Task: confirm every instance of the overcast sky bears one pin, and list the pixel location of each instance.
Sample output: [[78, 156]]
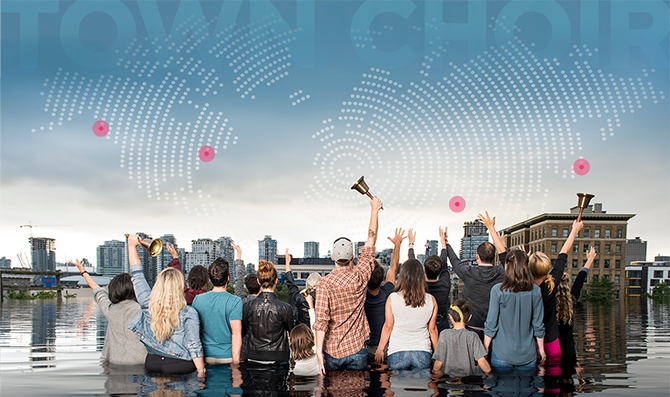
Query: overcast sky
[[500, 129]]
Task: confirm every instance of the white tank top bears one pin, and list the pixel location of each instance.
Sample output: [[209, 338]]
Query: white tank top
[[410, 325]]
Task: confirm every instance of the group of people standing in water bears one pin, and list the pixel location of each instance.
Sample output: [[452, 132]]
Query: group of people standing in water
[[513, 315]]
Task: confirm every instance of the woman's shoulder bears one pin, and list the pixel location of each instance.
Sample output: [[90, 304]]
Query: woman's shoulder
[[189, 311]]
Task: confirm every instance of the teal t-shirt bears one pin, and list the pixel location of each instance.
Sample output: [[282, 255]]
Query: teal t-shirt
[[216, 311]]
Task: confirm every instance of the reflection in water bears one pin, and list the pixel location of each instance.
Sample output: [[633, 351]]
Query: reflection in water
[[43, 340], [54, 345]]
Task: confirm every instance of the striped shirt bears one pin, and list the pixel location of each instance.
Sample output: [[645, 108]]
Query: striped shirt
[[340, 306]]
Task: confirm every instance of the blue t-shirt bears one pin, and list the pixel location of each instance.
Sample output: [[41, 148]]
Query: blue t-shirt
[[216, 311], [375, 310]]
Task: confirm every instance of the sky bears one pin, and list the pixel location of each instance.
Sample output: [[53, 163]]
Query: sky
[[485, 103]]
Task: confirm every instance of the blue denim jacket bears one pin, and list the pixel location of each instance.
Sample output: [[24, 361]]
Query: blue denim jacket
[[184, 343]]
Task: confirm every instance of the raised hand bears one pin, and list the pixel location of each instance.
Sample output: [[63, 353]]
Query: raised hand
[[288, 260], [171, 250], [398, 238], [577, 226], [238, 250], [443, 237], [77, 264], [489, 222], [376, 204], [502, 239], [411, 235], [133, 240]]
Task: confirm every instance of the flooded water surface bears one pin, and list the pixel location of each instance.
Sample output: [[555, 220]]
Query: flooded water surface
[[52, 348]]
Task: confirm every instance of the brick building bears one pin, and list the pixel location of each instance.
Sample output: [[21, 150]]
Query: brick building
[[606, 232]]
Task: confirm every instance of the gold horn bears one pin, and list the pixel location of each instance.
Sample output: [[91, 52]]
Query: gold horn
[[154, 247], [362, 187], [583, 201]]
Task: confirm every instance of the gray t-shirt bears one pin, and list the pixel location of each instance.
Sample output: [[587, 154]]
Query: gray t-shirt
[[459, 349]]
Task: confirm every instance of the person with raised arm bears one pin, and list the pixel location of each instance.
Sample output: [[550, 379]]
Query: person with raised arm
[[249, 281], [117, 303], [377, 294], [168, 327], [478, 280], [544, 276], [566, 299], [341, 326], [297, 300], [220, 317], [437, 276], [198, 278]]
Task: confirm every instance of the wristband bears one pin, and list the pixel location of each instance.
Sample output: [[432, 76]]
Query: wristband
[[84, 272], [202, 371]]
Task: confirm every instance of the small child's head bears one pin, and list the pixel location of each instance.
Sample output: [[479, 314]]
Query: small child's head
[[301, 342], [460, 311]]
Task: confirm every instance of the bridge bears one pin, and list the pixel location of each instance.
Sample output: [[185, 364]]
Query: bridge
[[31, 288]]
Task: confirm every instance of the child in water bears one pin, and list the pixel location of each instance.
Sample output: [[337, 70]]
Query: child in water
[[458, 348], [302, 344]]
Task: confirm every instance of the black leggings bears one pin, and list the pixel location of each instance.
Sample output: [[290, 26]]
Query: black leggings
[[167, 365]]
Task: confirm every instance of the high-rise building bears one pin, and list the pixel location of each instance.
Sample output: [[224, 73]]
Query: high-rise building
[[636, 250], [431, 247], [251, 268], [165, 257], [110, 258], [267, 249], [5, 263], [605, 232], [227, 252], [203, 252], [311, 249], [43, 254], [474, 233]]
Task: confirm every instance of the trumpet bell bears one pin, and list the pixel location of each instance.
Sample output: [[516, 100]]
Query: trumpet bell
[[584, 199], [361, 187]]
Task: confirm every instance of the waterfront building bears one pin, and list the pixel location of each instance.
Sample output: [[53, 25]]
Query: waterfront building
[[643, 276], [251, 268], [636, 250], [109, 258], [5, 263], [431, 247], [474, 233], [43, 253], [606, 232], [267, 249], [303, 267], [311, 249], [203, 252]]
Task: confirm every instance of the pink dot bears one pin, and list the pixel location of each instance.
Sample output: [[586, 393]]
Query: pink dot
[[457, 204], [581, 167], [100, 128], [206, 153]]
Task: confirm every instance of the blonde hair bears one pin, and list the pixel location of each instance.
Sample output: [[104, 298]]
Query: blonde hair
[[540, 266], [166, 302], [564, 301], [301, 342]]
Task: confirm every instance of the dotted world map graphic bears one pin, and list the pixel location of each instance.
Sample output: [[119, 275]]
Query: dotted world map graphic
[[485, 131]]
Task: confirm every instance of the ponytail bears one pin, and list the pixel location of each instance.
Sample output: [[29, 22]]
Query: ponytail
[[564, 301]]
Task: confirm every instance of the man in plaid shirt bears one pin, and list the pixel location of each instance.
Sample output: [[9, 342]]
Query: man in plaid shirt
[[341, 325]]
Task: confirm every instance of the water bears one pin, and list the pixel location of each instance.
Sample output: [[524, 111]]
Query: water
[[53, 348]]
